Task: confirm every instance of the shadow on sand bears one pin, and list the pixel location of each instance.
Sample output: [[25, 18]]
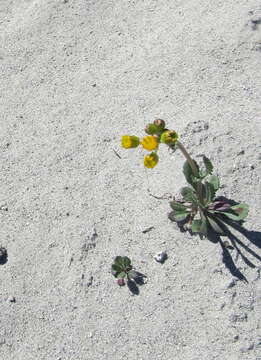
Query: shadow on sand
[[254, 237]]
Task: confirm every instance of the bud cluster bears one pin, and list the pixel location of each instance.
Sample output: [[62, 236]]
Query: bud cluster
[[157, 133]]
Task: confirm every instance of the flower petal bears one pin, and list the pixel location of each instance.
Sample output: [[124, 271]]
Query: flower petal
[[129, 141], [151, 160], [150, 142]]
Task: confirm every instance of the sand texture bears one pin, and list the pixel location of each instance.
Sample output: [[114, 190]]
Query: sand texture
[[75, 75]]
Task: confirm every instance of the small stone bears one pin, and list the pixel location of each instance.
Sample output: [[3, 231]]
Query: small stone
[[236, 338], [161, 257], [4, 207], [11, 299]]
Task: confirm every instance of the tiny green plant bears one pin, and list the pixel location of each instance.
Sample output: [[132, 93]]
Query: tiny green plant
[[199, 210], [123, 270]]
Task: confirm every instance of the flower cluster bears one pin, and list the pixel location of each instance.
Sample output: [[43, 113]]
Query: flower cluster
[[156, 134]]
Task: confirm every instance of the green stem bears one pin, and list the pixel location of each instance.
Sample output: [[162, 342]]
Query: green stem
[[194, 170], [188, 157]]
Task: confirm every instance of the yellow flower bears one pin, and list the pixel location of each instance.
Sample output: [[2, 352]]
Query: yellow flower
[[151, 160], [150, 142], [169, 137], [129, 141]]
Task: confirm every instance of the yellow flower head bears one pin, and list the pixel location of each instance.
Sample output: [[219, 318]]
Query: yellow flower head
[[169, 137], [150, 142], [129, 141], [151, 160]]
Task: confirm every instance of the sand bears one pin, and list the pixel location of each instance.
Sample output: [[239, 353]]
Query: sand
[[75, 76]]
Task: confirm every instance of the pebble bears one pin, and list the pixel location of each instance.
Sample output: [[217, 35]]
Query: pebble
[[161, 257], [236, 338], [11, 299], [4, 207]]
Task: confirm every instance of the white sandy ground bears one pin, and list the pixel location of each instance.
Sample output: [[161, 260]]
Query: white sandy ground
[[75, 76]]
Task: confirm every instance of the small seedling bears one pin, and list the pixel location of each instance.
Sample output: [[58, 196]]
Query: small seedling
[[199, 210], [123, 270]]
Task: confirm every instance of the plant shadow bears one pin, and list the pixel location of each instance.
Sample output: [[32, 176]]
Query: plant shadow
[[254, 237], [3, 256], [133, 284]]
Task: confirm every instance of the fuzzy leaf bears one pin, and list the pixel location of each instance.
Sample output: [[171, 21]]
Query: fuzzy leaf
[[240, 212], [196, 225], [208, 165], [118, 261], [214, 180], [178, 216], [187, 171], [209, 192], [132, 274], [189, 194], [121, 275], [126, 262], [116, 268], [215, 226], [178, 206], [219, 206], [204, 226]]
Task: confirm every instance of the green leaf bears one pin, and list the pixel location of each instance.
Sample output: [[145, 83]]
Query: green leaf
[[121, 275], [126, 262], [204, 226], [116, 268], [214, 180], [178, 206], [240, 212], [209, 192], [208, 165], [196, 226], [241, 209], [187, 171], [178, 216], [189, 194], [132, 274], [118, 261], [215, 226]]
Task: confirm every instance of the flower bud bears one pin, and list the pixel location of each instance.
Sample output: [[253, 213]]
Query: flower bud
[[128, 142], [151, 160], [151, 129], [169, 137], [160, 124], [150, 142]]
